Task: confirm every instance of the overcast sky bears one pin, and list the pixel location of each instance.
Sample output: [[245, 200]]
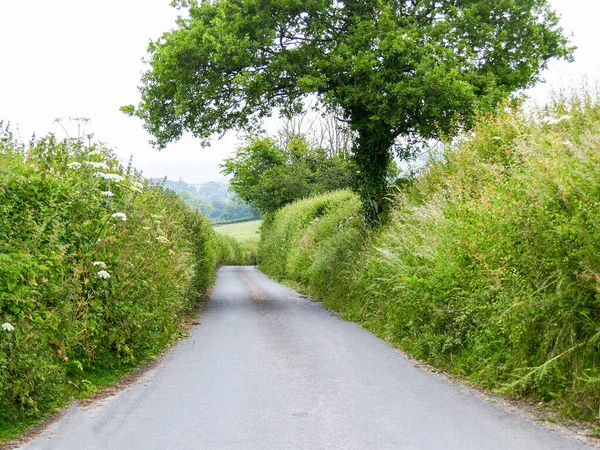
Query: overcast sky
[[74, 58]]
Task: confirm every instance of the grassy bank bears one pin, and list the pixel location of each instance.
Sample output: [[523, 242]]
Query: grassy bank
[[97, 270], [489, 266]]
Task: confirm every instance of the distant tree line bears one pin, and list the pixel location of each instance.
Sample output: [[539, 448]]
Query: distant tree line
[[213, 199]]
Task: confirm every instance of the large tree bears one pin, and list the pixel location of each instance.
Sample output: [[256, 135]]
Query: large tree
[[408, 68]]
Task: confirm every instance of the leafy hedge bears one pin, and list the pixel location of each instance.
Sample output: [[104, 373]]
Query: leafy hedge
[[235, 252], [490, 265], [97, 269], [310, 242]]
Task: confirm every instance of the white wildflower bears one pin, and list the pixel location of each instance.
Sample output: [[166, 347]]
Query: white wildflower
[[497, 138], [171, 252], [568, 144], [96, 153], [103, 274], [549, 120], [137, 184], [564, 118], [552, 121], [7, 327], [74, 165], [107, 193], [147, 228], [120, 215], [109, 176], [100, 264], [134, 189], [97, 165], [162, 239], [115, 177]]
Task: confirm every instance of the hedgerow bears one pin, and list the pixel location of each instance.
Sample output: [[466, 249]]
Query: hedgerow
[[490, 264], [310, 242], [97, 270], [235, 252]]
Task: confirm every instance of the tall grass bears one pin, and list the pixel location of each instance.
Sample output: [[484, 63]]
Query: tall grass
[[490, 265], [97, 269]]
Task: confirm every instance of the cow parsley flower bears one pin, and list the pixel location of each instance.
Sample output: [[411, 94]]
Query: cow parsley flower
[[549, 120], [552, 121], [564, 118], [97, 165], [7, 327], [137, 184], [115, 177], [162, 239], [109, 176], [103, 274], [100, 264], [74, 165], [120, 215], [107, 194]]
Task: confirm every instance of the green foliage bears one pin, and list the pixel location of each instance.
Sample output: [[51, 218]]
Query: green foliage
[[235, 252], [488, 266], [309, 241], [268, 176], [416, 69], [237, 243], [97, 268]]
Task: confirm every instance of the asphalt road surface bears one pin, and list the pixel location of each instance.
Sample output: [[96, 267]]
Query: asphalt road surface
[[269, 369]]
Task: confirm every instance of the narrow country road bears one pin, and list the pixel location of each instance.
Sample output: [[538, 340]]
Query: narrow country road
[[268, 369]]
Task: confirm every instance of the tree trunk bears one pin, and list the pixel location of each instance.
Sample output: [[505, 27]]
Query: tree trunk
[[372, 153]]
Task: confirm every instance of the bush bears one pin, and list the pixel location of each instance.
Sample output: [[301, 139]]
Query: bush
[[97, 269], [489, 266], [311, 242], [235, 252]]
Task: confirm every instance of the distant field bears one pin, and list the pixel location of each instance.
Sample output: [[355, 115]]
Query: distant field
[[242, 231]]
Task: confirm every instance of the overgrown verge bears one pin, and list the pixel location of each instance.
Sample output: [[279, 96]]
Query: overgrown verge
[[235, 252], [97, 269], [490, 265]]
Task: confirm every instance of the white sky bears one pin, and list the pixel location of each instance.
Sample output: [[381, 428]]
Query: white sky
[[74, 58]]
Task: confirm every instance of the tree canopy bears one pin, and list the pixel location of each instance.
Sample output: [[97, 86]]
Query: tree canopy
[[410, 68]]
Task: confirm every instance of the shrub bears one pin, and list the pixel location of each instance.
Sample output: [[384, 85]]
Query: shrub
[[96, 270], [235, 252], [311, 242]]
